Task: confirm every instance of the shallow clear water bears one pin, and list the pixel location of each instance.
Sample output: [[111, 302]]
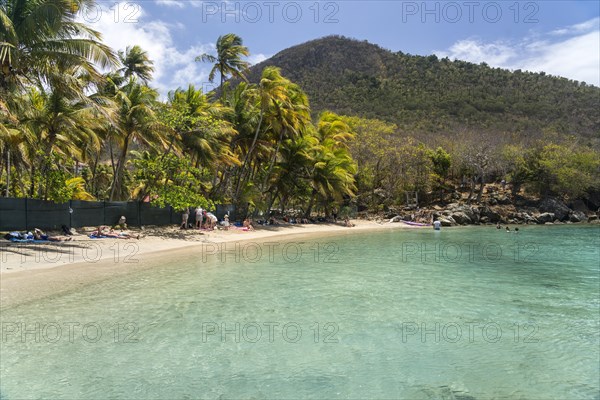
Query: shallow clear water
[[466, 313]]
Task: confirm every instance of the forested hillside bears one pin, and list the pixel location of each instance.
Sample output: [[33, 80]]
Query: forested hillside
[[427, 94]]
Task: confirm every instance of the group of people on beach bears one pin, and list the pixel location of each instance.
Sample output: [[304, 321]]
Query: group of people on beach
[[203, 219]]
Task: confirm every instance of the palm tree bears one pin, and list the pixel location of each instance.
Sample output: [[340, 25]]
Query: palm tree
[[272, 95], [63, 124], [136, 62], [135, 121], [332, 174], [39, 36], [228, 61], [201, 130]]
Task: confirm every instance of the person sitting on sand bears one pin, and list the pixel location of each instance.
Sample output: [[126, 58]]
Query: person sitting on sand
[[225, 223], [248, 224], [38, 234], [122, 222], [347, 223]]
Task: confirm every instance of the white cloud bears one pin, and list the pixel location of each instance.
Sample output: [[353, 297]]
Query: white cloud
[[171, 3], [254, 59], [592, 24], [572, 52], [173, 67], [475, 51]]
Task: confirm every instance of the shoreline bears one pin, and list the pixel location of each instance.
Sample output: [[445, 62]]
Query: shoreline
[[31, 272]]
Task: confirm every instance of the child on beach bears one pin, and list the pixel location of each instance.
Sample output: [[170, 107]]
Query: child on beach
[[248, 224]]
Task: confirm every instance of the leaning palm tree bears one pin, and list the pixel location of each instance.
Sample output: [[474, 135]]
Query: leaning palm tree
[[228, 61], [135, 121], [136, 62], [272, 93], [36, 36]]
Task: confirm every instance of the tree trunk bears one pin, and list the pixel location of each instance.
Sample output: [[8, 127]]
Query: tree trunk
[[247, 158], [116, 186], [480, 193], [32, 187], [272, 161], [310, 204]]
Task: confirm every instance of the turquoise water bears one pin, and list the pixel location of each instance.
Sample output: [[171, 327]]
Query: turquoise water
[[466, 313]]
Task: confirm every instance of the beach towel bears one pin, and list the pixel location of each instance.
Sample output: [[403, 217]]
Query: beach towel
[[15, 240], [97, 237]]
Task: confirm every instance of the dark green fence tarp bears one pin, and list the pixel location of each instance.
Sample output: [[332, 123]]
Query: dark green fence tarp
[[87, 213], [13, 215], [46, 214], [26, 214]]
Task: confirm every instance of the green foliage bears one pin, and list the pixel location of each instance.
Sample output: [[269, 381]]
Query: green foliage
[[168, 180], [441, 162], [427, 94]]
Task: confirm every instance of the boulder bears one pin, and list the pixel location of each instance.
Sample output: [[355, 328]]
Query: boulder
[[555, 206], [579, 205], [545, 218], [491, 215], [592, 218], [577, 216], [448, 221], [504, 200], [461, 218], [452, 206]]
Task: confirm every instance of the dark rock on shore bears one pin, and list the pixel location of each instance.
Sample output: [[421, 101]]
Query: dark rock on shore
[[556, 207]]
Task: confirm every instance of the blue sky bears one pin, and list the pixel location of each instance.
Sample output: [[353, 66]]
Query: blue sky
[[558, 37]]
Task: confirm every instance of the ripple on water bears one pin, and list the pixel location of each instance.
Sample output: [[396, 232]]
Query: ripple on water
[[369, 296]]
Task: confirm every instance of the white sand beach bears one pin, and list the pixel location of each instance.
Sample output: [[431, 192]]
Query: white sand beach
[[29, 272]]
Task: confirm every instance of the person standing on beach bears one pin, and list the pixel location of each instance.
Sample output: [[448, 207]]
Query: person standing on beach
[[198, 217], [184, 218]]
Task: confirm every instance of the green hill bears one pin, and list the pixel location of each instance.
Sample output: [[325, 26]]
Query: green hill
[[431, 95]]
